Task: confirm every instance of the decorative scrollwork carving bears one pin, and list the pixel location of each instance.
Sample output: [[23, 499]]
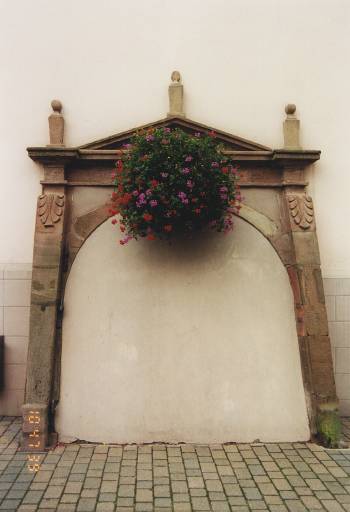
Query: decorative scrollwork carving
[[50, 208], [302, 210]]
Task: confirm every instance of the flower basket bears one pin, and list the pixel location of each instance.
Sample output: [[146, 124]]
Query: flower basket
[[169, 182]]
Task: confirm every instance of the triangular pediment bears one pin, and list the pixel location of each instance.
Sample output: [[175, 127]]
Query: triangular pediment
[[230, 142]]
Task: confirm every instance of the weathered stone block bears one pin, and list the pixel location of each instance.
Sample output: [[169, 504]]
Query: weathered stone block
[[293, 273], [316, 320], [311, 285], [35, 426], [322, 367], [41, 353], [306, 248], [45, 284]]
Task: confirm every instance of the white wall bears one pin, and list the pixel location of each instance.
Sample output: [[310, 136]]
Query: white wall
[[109, 61], [194, 341]]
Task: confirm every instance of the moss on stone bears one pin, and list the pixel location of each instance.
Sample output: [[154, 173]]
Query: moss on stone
[[329, 428]]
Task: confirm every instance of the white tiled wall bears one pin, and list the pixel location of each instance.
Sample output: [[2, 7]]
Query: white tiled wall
[[15, 282], [337, 293]]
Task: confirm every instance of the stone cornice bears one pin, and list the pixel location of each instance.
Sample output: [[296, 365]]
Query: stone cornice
[[55, 155]]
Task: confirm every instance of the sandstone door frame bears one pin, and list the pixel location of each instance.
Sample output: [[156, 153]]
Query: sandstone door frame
[[59, 236]]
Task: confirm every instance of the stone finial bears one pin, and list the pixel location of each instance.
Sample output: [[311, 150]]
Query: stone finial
[[176, 93], [56, 124], [291, 128]]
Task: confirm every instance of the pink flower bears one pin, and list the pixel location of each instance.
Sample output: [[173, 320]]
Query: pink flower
[[164, 174], [190, 184], [167, 130], [153, 202], [197, 134], [189, 158], [125, 240], [214, 164], [186, 170], [149, 138]]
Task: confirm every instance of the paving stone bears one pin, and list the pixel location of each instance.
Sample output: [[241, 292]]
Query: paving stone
[[220, 506], [86, 505], [311, 502], [295, 506], [162, 502], [107, 496], [332, 506], [182, 507], [233, 490], [214, 485], [200, 504], [126, 491], [252, 494], [144, 495], [69, 498], [267, 489], [181, 497], [89, 493], [198, 492], [179, 486], [35, 497], [110, 486], [10, 504], [49, 503]]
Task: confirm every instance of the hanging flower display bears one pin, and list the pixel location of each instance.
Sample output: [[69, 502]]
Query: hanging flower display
[[169, 182]]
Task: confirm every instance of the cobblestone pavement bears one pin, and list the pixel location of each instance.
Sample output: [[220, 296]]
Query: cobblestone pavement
[[238, 477]]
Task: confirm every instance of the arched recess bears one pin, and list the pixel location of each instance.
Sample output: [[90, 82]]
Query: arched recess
[[190, 342]]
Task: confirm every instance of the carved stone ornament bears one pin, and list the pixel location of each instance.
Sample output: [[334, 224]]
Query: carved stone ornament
[[50, 208], [302, 210]]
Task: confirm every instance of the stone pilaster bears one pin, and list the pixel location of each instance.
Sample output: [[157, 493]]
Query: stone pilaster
[[45, 296], [311, 316]]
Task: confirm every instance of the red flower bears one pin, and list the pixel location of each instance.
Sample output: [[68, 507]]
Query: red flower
[[168, 228], [150, 236], [125, 198], [197, 211], [119, 166], [114, 196], [154, 183], [147, 217], [114, 221], [122, 228], [224, 170]]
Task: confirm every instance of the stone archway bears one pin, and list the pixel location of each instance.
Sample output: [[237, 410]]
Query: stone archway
[[76, 187]]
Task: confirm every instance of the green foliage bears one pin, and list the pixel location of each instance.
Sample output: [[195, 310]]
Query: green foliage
[[170, 182], [329, 428]]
